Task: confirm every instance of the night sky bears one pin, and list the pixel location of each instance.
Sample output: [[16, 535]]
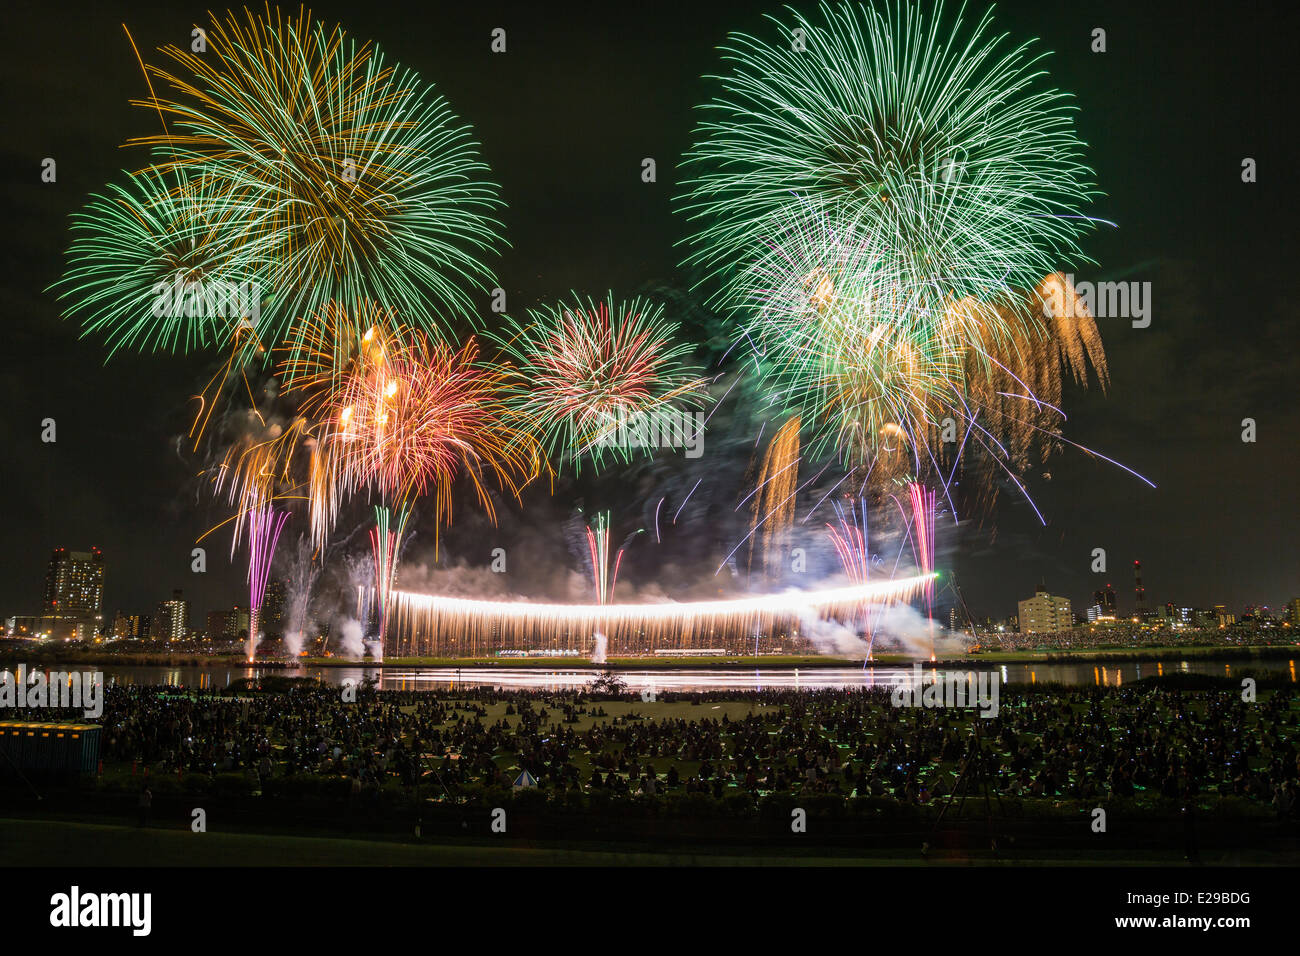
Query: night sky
[[565, 118]]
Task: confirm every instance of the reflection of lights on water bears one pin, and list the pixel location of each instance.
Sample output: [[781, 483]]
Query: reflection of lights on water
[[662, 681], [669, 680]]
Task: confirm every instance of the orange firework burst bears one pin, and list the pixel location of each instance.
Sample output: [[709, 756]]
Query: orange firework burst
[[412, 416]]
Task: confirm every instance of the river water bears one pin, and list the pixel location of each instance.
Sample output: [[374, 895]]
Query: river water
[[691, 678]]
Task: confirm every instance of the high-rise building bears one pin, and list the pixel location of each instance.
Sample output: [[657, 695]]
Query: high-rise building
[[1140, 609], [1104, 600], [216, 626], [129, 626], [73, 602], [172, 621], [270, 620], [229, 625], [1293, 612], [1045, 613]]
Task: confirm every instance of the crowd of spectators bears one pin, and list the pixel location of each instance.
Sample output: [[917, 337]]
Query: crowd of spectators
[[1083, 744]]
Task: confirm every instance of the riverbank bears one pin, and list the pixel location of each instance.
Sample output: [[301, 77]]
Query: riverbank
[[63, 655]]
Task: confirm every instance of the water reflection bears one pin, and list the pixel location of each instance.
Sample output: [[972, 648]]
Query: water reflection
[[681, 679]]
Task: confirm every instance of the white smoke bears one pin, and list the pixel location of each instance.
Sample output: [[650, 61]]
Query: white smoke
[[352, 643], [897, 627], [303, 572], [602, 645]]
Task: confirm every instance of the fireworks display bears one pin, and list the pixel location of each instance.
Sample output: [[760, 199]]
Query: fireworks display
[[773, 500], [356, 180], [851, 541], [419, 414], [293, 168], [878, 205], [923, 546], [264, 527], [585, 374], [604, 575], [931, 143], [385, 545], [429, 624], [880, 199], [406, 418], [156, 264]]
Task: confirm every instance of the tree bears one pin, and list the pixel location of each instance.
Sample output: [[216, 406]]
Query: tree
[[607, 682]]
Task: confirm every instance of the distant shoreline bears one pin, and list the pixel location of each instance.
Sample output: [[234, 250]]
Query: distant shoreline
[[989, 659]]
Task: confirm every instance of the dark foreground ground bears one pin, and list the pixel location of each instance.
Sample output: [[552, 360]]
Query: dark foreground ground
[[37, 842]]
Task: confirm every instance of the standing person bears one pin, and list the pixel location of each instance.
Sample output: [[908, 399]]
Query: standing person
[[144, 804]]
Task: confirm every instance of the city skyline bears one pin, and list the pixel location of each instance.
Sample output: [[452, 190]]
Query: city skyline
[[1105, 598]]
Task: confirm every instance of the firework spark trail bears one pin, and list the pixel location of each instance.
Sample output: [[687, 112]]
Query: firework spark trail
[[923, 545], [851, 543], [714, 409], [778, 507], [778, 479], [686, 499], [604, 577], [432, 625], [301, 579], [264, 526], [386, 547], [209, 398]]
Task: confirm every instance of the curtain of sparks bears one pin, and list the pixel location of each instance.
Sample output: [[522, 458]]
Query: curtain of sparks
[[430, 625]]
